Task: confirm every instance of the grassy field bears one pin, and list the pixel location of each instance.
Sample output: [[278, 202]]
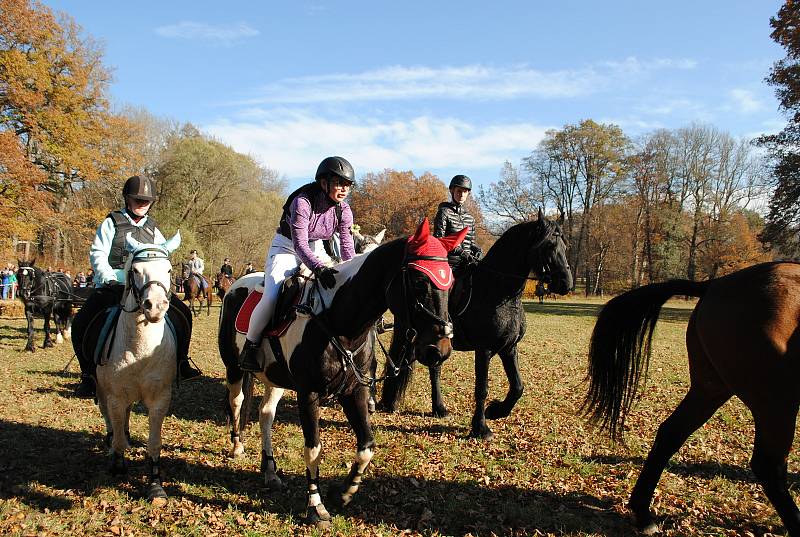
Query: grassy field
[[545, 473]]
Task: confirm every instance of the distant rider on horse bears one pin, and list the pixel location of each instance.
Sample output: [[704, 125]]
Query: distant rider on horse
[[311, 215], [107, 256], [226, 268], [451, 218], [196, 266]]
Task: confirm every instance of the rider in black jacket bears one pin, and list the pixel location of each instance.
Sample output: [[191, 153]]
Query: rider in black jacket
[[451, 218]]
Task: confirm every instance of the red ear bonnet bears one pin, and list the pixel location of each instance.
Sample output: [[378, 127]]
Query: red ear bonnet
[[421, 243]]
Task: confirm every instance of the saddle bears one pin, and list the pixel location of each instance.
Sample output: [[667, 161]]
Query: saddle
[[102, 329], [290, 295]]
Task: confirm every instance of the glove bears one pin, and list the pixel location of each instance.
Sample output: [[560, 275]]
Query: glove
[[326, 276], [466, 256], [477, 253]]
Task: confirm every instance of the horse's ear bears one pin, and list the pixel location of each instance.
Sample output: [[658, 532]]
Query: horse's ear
[[379, 237], [422, 233], [172, 244], [540, 215], [451, 241], [131, 244], [560, 218]]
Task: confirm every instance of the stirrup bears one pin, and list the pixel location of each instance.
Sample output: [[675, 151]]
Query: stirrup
[[249, 358]]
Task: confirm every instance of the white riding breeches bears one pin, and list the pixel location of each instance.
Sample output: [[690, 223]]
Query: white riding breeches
[[281, 262]]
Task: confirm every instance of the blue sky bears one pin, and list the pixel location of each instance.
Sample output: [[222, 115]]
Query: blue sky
[[446, 87]]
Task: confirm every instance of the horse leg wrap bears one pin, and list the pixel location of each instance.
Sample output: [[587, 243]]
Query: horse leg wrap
[[155, 490], [363, 457]]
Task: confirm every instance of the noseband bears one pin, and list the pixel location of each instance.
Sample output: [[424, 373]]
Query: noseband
[[144, 255]]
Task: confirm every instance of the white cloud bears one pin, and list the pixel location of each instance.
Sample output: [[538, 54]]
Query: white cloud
[[294, 142], [476, 82], [207, 32], [744, 101]]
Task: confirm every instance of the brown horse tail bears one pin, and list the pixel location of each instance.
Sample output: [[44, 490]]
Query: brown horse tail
[[619, 351]]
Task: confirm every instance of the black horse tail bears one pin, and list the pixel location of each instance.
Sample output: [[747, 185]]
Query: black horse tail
[[226, 341], [619, 351]]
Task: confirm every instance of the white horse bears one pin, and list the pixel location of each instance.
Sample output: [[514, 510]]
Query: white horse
[[142, 361]]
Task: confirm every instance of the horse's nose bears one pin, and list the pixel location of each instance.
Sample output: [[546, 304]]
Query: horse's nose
[[148, 304]]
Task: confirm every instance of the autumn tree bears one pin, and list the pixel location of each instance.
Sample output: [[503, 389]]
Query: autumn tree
[[53, 88], [783, 220], [396, 200]]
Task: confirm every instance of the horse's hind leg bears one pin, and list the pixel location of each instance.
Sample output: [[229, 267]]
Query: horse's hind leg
[[479, 427], [235, 399], [707, 393], [266, 416], [501, 409], [774, 435], [59, 323]]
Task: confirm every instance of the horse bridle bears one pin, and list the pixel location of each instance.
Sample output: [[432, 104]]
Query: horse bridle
[[30, 288], [150, 254], [411, 332]]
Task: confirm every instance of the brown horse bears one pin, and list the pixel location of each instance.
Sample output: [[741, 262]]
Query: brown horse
[[223, 282], [742, 340], [192, 292]]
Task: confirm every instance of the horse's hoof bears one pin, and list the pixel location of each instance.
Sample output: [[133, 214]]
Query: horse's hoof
[[273, 484], [481, 433], [644, 521], [30, 348], [59, 339], [156, 495], [383, 408], [119, 466], [318, 516], [440, 412], [237, 452], [48, 344], [495, 410]]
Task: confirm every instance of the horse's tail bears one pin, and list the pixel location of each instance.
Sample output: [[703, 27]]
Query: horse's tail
[[619, 351], [248, 384]]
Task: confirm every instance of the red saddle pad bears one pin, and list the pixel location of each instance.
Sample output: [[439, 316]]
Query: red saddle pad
[[243, 317]]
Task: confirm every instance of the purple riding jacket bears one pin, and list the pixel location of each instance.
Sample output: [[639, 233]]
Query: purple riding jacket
[[315, 219]]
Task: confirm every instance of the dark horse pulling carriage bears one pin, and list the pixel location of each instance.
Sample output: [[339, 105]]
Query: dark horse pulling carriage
[[486, 306], [46, 294], [742, 340]]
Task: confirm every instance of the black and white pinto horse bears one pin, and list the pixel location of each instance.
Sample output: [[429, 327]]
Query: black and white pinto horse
[[489, 318], [141, 363], [45, 294], [328, 350]]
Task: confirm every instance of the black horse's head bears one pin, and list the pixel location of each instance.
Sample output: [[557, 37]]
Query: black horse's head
[[418, 297], [547, 256], [29, 278]]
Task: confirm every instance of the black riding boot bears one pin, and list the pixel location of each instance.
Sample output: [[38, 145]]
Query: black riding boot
[[250, 358], [86, 388]]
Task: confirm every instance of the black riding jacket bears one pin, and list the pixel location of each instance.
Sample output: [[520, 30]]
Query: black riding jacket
[[452, 218], [227, 270]]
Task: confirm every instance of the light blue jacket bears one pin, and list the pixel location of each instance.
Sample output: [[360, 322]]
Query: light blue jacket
[[101, 249]]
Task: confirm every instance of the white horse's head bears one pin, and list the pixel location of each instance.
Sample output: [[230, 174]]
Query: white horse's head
[[147, 281]]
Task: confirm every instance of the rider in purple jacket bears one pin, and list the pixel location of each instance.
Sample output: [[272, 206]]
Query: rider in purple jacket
[[311, 215]]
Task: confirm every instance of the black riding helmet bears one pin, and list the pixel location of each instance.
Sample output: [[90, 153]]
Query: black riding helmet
[[139, 188], [461, 180], [337, 166]]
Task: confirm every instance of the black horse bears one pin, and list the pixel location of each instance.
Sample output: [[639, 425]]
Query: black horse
[[488, 316], [45, 294], [327, 351]]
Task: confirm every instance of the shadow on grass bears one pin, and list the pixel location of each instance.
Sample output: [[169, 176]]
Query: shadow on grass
[[705, 469], [592, 310], [73, 464]]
